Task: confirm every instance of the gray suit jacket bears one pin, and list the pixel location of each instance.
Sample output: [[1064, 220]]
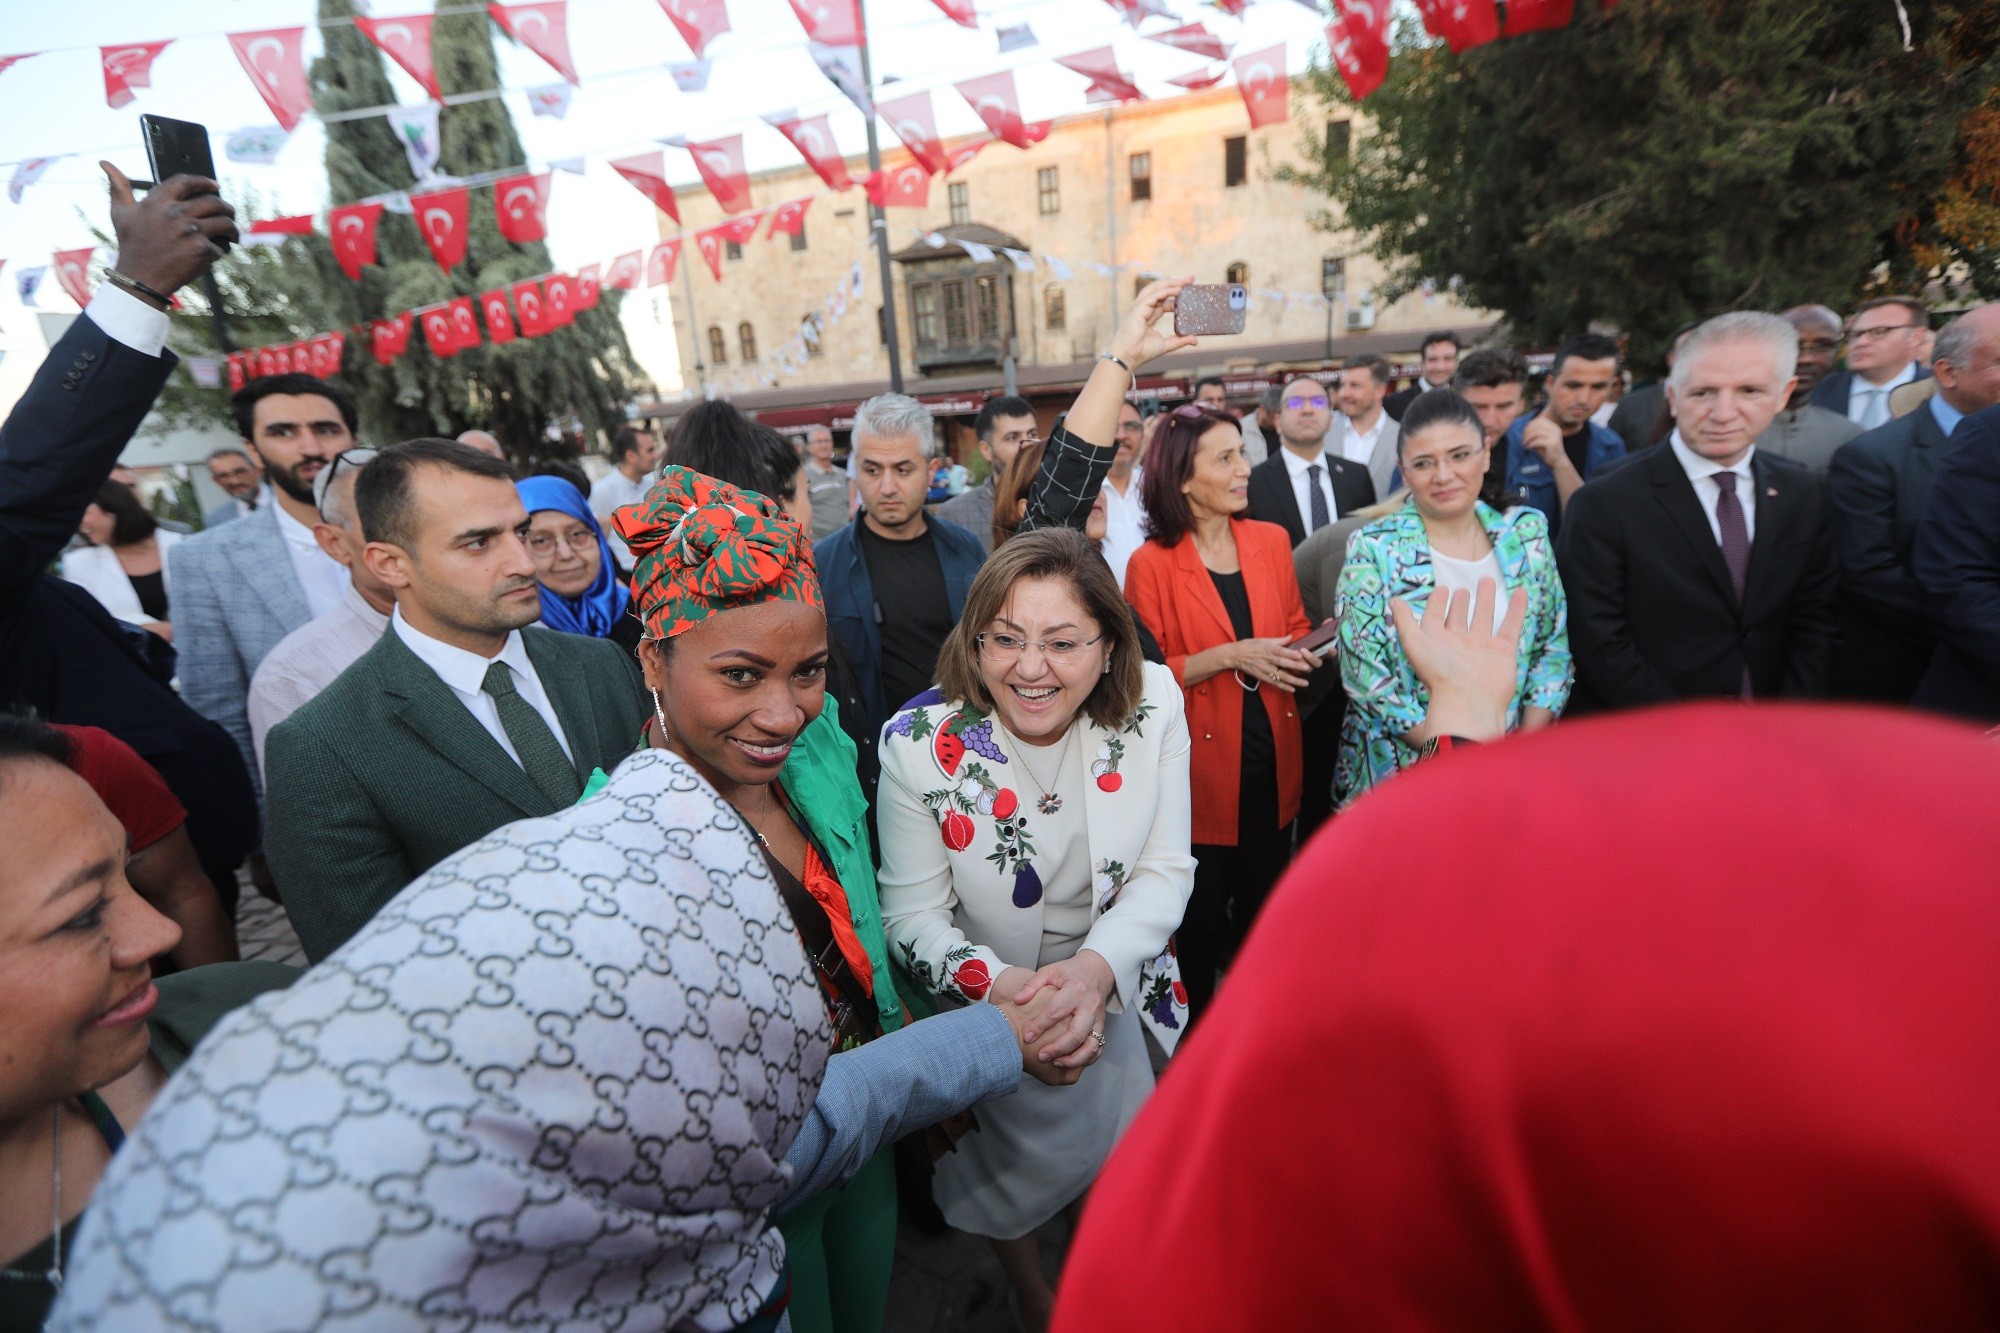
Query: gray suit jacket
[[1381, 463], [1807, 435], [223, 513], [973, 511], [234, 596]]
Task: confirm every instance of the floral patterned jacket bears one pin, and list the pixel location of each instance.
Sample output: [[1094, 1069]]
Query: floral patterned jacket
[[961, 897], [1391, 558]]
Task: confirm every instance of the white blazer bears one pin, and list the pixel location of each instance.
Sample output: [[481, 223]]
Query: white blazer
[[96, 570], [949, 912]]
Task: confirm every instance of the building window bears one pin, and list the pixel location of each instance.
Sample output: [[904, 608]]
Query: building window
[[1333, 277], [1048, 189], [957, 329], [961, 203], [746, 339], [718, 346], [1142, 176], [799, 236], [1339, 137], [731, 250], [986, 307], [1238, 272], [1235, 161], [924, 313], [1055, 310]]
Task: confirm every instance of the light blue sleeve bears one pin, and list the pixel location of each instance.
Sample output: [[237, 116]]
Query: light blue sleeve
[[903, 1080]]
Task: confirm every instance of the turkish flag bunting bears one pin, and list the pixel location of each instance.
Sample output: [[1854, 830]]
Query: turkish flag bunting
[[720, 162], [238, 376], [960, 12], [8, 62], [790, 218], [587, 287], [1358, 41], [521, 207], [275, 62], [542, 28], [528, 301], [1536, 15], [647, 173], [915, 123], [815, 144], [499, 319], [708, 241], [73, 272], [441, 218], [962, 155], [1200, 79], [389, 338], [741, 230], [558, 300], [833, 22], [1193, 37], [999, 105], [660, 265], [325, 353], [907, 186], [128, 67], [700, 21], [407, 41], [625, 271], [438, 331], [352, 231], [1260, 77], [1461, 24], [281, 359], [298, 224], [1101, 68]]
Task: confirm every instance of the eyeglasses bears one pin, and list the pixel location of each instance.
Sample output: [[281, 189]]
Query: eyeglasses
[[580, 540], [1875, 334], [1130, 427], [1300, 404], [353, 459], [1004, 648]]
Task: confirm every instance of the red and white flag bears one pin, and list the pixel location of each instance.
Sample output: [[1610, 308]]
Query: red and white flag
[[647, 173], [239, 372], [720, 162], [998, 103], [1358, 41], [352, 231], [625, 271], [833, 22], [1201, 79], [499, 319], [543, 28], [528, 301], [700, 21], [441, 218], [907, 186], [407, 41], [1461, 24], [915, 122], [660, 265], [1233, 8], [960, 12], [1260, 77], [521, 207], [964, 153], [1101, 68], [587, 287], [298, 224], [1536, 16], [128, 67], [708, 242], [324, 353], [558, 300], [389, 338], [275, 61], [790, 218], [438, 331], [464, 323], [1193, 37], [8, 62], [815, 144], [73, 272]]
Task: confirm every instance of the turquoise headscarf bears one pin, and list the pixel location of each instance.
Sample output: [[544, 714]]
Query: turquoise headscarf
[[597, 611]]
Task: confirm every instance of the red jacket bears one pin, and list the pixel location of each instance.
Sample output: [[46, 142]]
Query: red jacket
[[1172, 592]]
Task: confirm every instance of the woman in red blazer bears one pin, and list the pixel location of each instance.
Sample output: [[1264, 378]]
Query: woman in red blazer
[[1219, 594]]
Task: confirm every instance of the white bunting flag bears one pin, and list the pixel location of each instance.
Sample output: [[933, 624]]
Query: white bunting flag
[[1022, 260], [416, 128], [690, 76], [28, 281], [26, 173], [550, 99], [1057, 267], [257, 145], [1015, 37], [842, 67], [573, 165], [977, 253]]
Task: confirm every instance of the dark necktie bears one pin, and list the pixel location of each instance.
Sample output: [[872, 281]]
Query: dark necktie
[[1320, 518], [1735, 543], [542, 756]]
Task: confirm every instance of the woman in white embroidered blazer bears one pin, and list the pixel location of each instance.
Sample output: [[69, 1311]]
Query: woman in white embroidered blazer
[[1035, 842]]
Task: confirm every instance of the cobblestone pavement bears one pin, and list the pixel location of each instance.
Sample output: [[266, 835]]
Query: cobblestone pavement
[[262, 929]]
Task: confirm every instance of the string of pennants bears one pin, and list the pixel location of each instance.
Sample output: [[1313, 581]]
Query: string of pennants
[[1358, 38]]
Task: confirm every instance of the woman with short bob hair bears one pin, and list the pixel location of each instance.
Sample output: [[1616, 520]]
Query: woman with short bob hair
[[1034, 828]]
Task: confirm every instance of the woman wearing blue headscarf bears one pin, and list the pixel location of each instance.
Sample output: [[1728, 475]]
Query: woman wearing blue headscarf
[[581, 592]]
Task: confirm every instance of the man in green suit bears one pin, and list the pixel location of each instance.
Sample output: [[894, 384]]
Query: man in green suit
[[463, 717]]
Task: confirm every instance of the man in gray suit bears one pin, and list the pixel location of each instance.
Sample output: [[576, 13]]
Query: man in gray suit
[[1004, 425], [239, 588], [1364, 433], [241, 480], [1805, 433]]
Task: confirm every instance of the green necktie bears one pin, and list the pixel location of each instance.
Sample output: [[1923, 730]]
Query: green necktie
[[541, 754]]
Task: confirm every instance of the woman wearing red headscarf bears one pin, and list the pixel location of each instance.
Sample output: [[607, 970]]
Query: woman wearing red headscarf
[[1728, 1061]]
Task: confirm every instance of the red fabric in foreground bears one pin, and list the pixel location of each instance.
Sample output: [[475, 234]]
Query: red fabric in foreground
[[1683, 1019], [126, 783]]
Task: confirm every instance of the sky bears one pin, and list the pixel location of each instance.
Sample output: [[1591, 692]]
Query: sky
[[54, 104]]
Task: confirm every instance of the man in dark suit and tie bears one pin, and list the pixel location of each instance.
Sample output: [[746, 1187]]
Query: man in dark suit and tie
[[463, 716], [1884, 339], [1957, 559], [1300, 486], [1705, 568], [1878, 486]]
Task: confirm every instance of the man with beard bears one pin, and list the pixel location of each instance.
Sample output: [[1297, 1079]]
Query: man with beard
[[1803, 431], [463, 716], [239, 588]]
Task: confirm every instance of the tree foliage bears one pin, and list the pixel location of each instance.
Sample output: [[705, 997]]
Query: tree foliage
[[1664, 160], [576, 378]]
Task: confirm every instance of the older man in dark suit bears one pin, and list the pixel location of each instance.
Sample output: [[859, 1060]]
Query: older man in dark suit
[[1957, 561], [1705, 568]]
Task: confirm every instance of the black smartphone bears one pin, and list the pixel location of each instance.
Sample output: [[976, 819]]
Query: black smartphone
[[176, 148]]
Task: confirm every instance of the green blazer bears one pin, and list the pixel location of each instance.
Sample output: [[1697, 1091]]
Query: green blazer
[[385, 774]]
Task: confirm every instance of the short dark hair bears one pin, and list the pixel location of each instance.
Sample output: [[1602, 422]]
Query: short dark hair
[[625, 439], [244, 402], [1004, 405], [1437, 407], [1489, 368], [1169, 464], [1441, 336], [1204, 382], [131, 521], [383, 492], [1584, 347], [1920, 312], [717, 440], [23, 735], [1376, 366], [569, 472]]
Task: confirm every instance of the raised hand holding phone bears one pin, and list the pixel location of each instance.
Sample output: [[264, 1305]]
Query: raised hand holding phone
[[172, 236]]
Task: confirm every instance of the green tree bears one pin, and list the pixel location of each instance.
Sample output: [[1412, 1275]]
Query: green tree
[[1663, 160]]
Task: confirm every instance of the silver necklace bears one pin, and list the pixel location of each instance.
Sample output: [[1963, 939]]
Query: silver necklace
[[1050, 802], [54, 1275]]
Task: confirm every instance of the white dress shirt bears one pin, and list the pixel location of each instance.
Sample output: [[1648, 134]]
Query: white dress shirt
[[1701, 473], [323, 579], [245, 508], [1358, 446], [1124, 525], [613, 491], [465, 673], [126, 319], [308, 660], [1301, 474], [1863, 398]]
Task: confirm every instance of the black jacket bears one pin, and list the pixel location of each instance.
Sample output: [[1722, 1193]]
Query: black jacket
[[1652, 613], [1273, 500], [1957, 561]]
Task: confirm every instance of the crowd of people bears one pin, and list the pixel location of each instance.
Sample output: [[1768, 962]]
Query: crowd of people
[[700, 868]]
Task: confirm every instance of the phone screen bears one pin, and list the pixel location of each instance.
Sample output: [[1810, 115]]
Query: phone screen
[[176, 148]]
